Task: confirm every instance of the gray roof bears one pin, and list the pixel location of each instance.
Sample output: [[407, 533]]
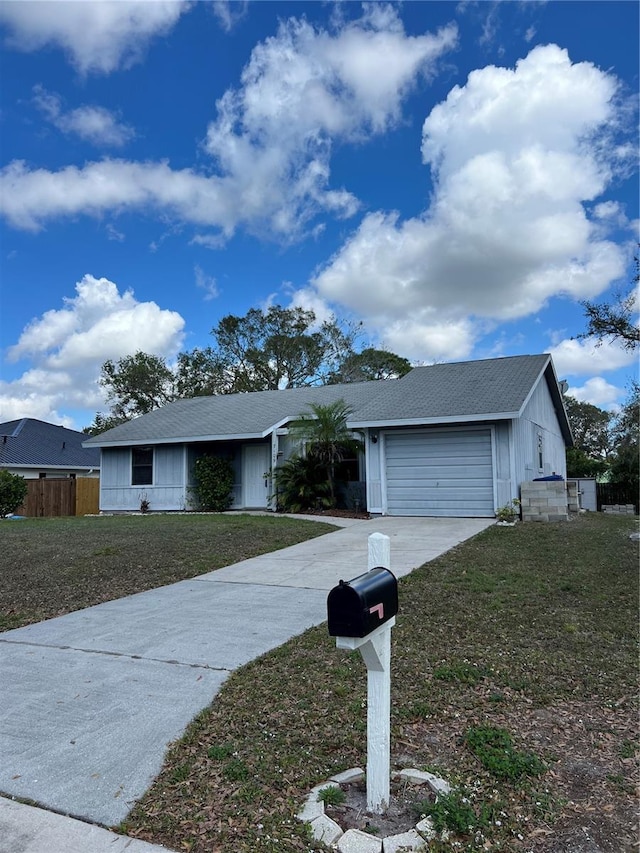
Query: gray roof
[[29, 443], [495, 388]]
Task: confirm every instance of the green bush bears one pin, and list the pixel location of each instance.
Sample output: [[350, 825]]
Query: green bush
[[214, 483], [13, 491], [301, 483]]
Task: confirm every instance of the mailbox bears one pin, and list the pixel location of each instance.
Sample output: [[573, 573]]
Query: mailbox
[[357, 607]]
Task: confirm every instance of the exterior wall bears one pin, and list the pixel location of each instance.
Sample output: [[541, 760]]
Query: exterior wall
[[538, 419], [169, 488]]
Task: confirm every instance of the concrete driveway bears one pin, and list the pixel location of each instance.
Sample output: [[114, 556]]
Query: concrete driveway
[[91, 700]]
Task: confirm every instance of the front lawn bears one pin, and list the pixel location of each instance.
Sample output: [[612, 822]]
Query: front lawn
[[51, 566], [515, 676]]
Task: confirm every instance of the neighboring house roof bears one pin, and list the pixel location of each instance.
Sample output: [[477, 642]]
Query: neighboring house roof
[[29, 443], [491, 389]]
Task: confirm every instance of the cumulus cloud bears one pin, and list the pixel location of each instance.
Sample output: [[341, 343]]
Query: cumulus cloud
[[581, 358], [67, 347], [598, 392], [271, 141], [515, 157], [100, 36], [94, 124]]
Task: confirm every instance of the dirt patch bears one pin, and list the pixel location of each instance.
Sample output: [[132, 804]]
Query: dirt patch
[[403, 813]]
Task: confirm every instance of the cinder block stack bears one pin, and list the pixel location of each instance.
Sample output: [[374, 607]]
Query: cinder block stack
[[544, 500]]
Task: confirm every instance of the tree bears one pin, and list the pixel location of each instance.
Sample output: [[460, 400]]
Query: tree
[[590, 426], [137, 384], [279, 348], [101, 423], [371, 364], [201, 373], [13, 491], [614, 321], [625, 462], [327, 438]]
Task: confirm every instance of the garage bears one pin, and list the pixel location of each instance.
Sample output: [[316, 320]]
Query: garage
[[439, 472]]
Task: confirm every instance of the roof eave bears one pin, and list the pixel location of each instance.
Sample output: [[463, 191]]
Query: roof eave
[[449, 419]]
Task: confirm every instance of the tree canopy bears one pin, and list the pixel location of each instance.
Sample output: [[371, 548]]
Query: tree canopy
[[263, 350], [615, 321]]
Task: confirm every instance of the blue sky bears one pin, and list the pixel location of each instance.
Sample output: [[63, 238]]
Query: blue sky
[[457, 176]]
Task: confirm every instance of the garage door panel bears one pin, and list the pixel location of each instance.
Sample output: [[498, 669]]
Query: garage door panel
[[440, 473]]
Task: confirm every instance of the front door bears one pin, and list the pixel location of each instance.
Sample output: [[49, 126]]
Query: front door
[[255, 484]]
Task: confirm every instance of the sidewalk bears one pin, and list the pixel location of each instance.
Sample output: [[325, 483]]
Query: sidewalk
[[92, 699]]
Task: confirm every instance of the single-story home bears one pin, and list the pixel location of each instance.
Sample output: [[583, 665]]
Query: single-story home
[[36, 449], [445, 440]]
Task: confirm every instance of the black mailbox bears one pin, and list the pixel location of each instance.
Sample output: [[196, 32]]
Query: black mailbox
[[357, 607]]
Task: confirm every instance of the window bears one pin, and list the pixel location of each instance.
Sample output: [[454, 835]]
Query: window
[[540, 453], [141, 466]]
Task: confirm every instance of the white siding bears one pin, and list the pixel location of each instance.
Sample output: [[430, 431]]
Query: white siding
[[167, 492], [446, 472], [538, 419]]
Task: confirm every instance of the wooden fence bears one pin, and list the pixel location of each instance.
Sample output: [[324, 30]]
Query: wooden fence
[[52, 496]]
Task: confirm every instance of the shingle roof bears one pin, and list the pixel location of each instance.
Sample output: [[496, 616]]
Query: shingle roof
[[470, 390], [29, 443], [466, 389]]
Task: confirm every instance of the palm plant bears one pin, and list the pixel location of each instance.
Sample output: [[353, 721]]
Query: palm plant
[[327, 438]]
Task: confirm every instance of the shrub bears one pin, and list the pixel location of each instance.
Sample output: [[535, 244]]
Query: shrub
[[13, 491], [301, 483], [214, 483]]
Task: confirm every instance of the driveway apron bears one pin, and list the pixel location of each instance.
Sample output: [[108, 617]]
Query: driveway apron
[[90, 701]]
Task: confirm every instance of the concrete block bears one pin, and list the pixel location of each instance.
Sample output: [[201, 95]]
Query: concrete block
[[426, 828], [421, 777], [355, 774], [312, 809], [405, 841], [356, 841], [559, 516], [326, 830]]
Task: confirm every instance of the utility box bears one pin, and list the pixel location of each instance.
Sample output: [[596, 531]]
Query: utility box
[[357, 607]]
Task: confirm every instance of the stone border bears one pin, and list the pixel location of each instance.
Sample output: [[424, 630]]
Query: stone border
[[326, 830]]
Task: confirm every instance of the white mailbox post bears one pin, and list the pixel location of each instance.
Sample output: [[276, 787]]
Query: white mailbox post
[[375, 649]]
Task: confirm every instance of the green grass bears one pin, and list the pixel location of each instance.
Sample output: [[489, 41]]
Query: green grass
[[53, 566], [481, 641]]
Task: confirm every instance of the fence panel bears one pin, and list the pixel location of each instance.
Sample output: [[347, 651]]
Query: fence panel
[[49, 497], [616, 493], [87, 496]]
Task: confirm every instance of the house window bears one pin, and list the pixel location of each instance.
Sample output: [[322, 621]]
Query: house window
[[142, 466], [540, 453]]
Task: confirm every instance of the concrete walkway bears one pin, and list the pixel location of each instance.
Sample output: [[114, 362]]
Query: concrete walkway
[[91, 700]]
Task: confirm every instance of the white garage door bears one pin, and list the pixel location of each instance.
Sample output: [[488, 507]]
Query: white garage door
[[439, 473]]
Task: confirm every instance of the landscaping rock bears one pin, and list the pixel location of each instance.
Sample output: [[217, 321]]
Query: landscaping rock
[[406, 841], [420, 777], [356, 841], [426, 828], [312, 809], [326, 830], [356, 774]]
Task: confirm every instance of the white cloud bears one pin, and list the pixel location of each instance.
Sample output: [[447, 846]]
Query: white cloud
[[207, 283], [598, 392], [98, 36], [301, 90], [514, 156], [67, 347], [92, 123], [581, 358], [230, 12]]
